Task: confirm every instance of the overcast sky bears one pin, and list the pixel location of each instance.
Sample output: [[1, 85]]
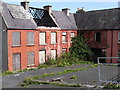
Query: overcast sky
[[72, 4]]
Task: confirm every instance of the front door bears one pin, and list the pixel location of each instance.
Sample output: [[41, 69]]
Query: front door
[[42, 57], [16, 61]]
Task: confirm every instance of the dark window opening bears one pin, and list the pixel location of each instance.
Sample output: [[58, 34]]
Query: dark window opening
[[98, 37]]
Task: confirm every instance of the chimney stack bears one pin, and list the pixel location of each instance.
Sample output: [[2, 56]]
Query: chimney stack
[[66, 11], [48, 8], [25, 4]]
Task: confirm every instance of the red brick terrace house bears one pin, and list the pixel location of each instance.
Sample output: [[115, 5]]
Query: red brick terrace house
[[102, 30], [29, 39]]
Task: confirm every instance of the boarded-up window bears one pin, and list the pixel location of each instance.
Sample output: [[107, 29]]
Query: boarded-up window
[[53, 54], [64, 50], [64, 40], [53, 38], [15, 38], [119, 37], [30, 38], [16, 61], [30, 58], [42, 55], [72, 35], [42, 38], [98, 37]]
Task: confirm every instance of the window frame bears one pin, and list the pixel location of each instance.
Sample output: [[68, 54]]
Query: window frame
[[28, 58], [13, 45], [118, 37], [40, 38], [55, 37], [65, 37], [98, 41], [72, 36], [30, 44]]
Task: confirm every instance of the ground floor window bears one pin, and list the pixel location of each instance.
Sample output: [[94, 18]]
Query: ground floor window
[[16, 61], [64, 50], [31, 58], [53, 54], [42, 56]]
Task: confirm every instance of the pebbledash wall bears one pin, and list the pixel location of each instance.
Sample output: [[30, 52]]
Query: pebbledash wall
[[23, 49]]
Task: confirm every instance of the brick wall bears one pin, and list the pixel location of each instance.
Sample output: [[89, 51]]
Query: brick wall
[[23, 49]]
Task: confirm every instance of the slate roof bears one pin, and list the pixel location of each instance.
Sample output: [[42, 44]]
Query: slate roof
[[108, 19], [64, 21], [16, 17]]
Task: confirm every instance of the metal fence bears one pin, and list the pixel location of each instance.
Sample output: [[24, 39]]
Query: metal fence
[[108, 71]]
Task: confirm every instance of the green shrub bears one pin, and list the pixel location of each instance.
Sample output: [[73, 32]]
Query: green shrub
[[50, 62]]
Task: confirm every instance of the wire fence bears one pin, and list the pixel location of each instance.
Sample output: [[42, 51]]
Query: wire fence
[[109, 71]]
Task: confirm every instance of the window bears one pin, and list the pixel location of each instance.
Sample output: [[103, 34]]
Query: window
[[53, 38], [64, 40], [53, 54], [119, 54], [98, 37], [42, 55], [118, 37], [30, 58], [16, 39], [30, 38], [16, 61], [72, 35], [42, 38], [64, 50]]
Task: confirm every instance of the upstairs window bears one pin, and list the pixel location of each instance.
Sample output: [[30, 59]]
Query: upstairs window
[[53, 37], [72, 35], [118, 37], [98, 37], [42, 38], [30, 38], [16, 39], [64, 39]]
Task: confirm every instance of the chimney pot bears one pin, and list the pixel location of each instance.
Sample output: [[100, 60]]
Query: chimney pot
[[66, 10]]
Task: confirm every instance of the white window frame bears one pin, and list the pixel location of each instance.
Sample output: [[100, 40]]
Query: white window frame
[[53, 38], [41, 38], [53, 57], [72, 36], [64, 34]]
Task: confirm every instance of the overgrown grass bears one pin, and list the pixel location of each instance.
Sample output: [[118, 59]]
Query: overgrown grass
[[112, 86], [24, 70], [28, 79], [73, 77], [66, 60]]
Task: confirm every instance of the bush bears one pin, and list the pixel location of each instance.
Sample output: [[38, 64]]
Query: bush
[[50, 62], [73, 77]]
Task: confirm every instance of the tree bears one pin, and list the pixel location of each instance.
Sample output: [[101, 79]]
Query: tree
[[80, 49]]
